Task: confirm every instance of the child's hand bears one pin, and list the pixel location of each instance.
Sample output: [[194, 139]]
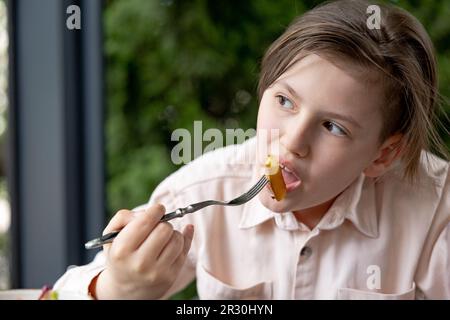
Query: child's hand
[[145, 258]]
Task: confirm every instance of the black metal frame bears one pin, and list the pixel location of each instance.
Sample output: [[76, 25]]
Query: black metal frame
[[56, 188], [13, 156]]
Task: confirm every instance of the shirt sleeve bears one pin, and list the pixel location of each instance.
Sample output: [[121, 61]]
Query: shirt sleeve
[[77, 278], [433, 275], [434, 282]]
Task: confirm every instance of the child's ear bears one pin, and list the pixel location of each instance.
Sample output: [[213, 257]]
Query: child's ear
[[388, 152]]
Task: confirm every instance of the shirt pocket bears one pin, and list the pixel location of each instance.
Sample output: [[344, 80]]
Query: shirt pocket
[[209, 287], [353, 294]]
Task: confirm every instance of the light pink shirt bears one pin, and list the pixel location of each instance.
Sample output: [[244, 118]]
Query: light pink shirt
[[380, 239]]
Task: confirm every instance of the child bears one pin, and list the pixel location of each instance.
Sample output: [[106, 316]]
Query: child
[[367, 209]]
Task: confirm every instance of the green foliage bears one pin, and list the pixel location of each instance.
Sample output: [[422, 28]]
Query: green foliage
[[190, 292], [169, 63]]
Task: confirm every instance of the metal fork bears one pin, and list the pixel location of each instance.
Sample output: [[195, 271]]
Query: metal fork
[[107, 238]]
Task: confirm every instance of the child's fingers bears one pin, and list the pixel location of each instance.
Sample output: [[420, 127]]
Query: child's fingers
[[188, 234], [135, 233], [120, 220], [152, 247], [172, 249]]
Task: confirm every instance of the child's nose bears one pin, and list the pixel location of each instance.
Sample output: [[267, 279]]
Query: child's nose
[[300, 150], [296, 139]]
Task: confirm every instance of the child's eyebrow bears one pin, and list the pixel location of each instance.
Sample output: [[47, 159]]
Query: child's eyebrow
[[330, 114], [289, 88]]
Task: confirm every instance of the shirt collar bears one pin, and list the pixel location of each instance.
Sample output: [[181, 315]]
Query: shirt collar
[[356, 203]]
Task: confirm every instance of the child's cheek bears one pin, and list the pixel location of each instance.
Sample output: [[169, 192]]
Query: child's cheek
[[267, 118], [268, 140]]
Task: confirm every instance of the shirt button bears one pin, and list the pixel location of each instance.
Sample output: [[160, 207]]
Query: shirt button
[[306, 252]]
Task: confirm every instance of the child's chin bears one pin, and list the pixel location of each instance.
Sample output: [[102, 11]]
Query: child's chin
[[273, 205]]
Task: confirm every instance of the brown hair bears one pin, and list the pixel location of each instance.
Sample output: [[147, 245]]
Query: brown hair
[[400, 52]]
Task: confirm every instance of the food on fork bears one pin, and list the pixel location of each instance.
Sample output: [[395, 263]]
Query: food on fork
[[273, 173]]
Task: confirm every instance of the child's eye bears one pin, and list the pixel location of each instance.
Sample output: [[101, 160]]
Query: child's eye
[[284, 102], [334, 128]]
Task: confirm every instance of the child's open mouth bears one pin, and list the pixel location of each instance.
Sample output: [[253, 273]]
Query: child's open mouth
[[283, 179], [290, 178]]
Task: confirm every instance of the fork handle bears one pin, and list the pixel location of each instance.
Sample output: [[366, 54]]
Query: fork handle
[[109, 237]]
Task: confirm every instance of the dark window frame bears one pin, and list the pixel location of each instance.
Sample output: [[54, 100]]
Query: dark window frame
[[55, 134]]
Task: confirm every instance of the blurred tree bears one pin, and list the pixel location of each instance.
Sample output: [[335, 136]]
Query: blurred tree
[[170, 62]]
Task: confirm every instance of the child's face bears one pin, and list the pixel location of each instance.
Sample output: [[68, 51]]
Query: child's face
[[328, 133]]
